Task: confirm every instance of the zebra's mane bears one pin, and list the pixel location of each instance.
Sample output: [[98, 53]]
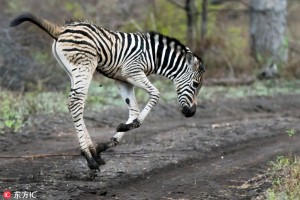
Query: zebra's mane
[[184, 48], [169, 40]]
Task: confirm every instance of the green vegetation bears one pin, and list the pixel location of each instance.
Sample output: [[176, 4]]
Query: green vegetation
[[75, 8], [16, 108], [285, 174], [265, 88], [286, 179], [291, 132], [10, 115]]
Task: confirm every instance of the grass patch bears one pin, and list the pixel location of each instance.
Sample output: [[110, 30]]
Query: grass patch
[[259, 88], [11, 116], [17, 108], [285, 173]]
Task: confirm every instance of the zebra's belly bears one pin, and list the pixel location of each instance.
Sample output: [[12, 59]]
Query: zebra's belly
[[113, 72]]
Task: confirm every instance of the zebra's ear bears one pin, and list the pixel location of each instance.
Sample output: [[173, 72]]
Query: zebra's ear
[[189, 58]]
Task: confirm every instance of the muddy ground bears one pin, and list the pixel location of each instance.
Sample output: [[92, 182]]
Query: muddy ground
[[223, 152]]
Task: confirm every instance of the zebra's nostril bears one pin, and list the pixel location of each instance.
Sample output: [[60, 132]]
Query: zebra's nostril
[[188, 111], [185, 110]]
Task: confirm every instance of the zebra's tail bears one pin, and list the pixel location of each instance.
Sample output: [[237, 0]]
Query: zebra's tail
[[52, 29]]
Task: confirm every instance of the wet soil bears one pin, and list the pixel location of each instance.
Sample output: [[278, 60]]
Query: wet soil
[[223, 152]]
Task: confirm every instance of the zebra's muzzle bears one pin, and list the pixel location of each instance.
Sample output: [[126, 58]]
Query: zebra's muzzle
[[188, 111]]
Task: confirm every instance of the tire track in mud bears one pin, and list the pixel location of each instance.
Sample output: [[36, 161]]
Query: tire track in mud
[[232, 174], [219, 175]]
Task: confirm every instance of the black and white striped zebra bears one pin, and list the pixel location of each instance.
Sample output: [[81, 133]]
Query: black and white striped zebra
[[128, 58]]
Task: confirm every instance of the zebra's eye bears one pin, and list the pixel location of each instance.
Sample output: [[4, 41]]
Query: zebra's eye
[[195, 84]]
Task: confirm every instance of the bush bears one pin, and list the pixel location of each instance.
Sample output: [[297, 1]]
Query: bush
[[286, 179]]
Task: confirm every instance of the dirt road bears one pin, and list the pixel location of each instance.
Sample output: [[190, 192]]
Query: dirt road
[[221, 153]]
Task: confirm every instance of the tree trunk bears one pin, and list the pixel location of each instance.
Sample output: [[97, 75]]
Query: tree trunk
[[204, 19], [267, 30], [203, 26], [191, 19]]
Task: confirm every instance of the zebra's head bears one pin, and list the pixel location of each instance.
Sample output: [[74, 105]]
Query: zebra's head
[[189, 84]]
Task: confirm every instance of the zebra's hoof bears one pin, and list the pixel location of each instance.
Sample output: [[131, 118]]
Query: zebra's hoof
[[101, 147], [99, 160], [126, 127], [123, 127], [97, 156], [104, 146], [92, 164]]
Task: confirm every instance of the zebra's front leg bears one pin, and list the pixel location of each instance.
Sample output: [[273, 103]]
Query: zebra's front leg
[[140, 80], [127, 93]]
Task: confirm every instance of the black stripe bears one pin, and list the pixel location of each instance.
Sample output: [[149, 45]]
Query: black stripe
[[166, 59], [176, 67], [80, 50], [77, 115], [172, 64], [77, 76], [78, 42], [106, 36], [122, 45], [78, 32], [135, 37], [129, 41], [102, 51], [153, 55], [74, 111], [77, 120], [159, 51], [77, 59], [94, 31], [116, 48], [76, 107]]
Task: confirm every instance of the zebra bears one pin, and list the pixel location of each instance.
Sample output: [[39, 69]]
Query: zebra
[[81, 48]]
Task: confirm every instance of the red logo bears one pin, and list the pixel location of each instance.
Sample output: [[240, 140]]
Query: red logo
[[6, 194]]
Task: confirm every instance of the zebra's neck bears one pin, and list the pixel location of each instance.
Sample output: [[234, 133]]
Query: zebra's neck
[[168, 55]]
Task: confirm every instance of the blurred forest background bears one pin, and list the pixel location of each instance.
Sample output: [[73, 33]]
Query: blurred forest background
[[218, 30]]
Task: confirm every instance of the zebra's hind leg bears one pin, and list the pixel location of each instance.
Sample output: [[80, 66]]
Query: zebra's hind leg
[[76, 106], [80, 76]]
